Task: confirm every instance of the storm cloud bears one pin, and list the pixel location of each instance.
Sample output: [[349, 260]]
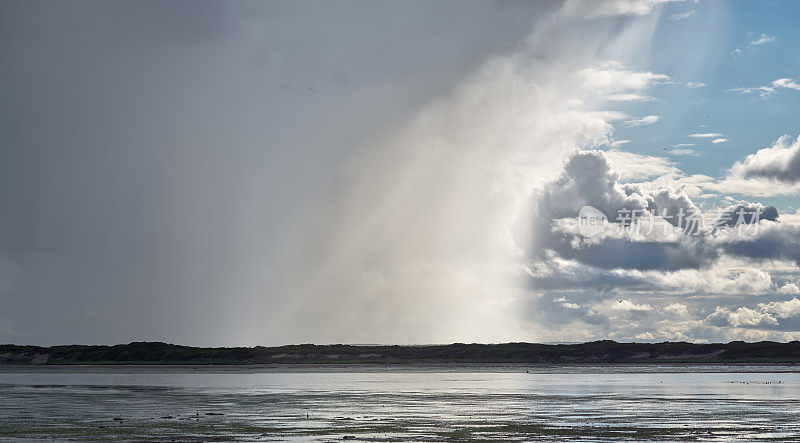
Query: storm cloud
[[263, 173], [780, 162], [161, 162]]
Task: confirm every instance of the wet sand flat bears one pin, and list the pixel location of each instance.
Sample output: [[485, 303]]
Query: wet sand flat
[[414, 402]]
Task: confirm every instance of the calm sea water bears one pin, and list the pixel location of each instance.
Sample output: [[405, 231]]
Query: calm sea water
[[588, 403]]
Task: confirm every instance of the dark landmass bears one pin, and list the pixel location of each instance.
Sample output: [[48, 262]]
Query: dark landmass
[[606, 351]]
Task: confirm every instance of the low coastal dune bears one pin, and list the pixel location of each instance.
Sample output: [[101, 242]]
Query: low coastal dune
[[605, 351]]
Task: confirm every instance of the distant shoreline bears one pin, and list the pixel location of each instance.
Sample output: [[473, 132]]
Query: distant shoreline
[[664, 367], [598, 352]]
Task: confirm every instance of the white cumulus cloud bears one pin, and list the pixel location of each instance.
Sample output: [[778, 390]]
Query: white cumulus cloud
[[682, 16], [644, 121], [771, 89], [761, 40], [685, 152], [706, 135], [789, 288]]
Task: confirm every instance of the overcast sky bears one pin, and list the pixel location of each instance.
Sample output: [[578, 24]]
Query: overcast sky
[[242, 173]]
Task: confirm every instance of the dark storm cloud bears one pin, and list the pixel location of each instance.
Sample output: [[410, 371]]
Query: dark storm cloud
[[746, 213], [780, 162], [774, 241], [588, 179], [156, 155]]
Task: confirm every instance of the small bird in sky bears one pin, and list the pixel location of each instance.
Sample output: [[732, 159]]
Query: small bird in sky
[[312, 89]]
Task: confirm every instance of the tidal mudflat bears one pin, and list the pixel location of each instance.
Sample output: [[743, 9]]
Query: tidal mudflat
[[463, 402]]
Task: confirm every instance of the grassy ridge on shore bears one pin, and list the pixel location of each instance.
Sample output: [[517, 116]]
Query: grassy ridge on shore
[[605, 351]]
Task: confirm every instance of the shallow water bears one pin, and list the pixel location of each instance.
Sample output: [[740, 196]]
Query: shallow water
[[589, 403]]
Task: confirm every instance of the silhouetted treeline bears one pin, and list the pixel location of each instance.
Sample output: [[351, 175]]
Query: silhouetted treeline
[[593, 352]]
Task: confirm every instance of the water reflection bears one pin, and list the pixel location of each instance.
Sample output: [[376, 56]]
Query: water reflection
[[597, 403]]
